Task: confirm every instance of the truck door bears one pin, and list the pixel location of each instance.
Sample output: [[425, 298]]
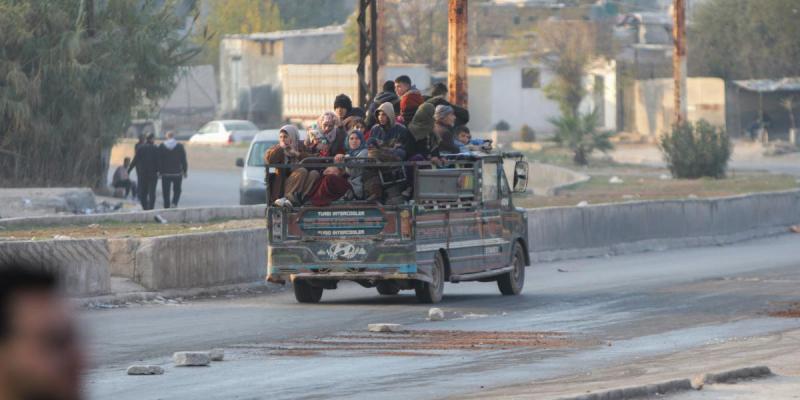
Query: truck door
[[493, 239]]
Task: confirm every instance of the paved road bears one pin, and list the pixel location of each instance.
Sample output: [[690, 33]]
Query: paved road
[[206, 187], [606, 312]]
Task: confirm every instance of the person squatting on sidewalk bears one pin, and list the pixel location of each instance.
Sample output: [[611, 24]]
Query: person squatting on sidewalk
[[173, 167]]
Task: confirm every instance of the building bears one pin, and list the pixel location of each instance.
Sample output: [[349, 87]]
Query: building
[[193, 102], [250, 85], [509, 89]]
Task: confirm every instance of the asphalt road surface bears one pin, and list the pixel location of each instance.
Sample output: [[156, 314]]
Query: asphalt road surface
[[205, 187], [577, 326]]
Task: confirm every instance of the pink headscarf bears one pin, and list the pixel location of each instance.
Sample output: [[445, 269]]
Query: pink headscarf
[[328, 117]]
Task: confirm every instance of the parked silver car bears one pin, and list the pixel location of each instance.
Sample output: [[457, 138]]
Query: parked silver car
[[225, 132], [252, 189]]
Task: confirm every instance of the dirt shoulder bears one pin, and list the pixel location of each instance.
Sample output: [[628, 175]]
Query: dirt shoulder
[[124, 230]]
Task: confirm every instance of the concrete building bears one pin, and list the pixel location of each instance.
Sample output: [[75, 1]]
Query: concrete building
[[511, 89], [249, 68], [193, 102]]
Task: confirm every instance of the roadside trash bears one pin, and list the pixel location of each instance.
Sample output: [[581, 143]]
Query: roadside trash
[[191, 359], [795, 228], [562, 270], [160, 219], [94, 226], [692, 196], [615, 180], [26, 202], [392, 328], [664, 177], [435, 314], [583, 203], [145, 370], [62, 237]]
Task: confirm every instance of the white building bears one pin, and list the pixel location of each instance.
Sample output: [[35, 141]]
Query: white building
[[511, 89]]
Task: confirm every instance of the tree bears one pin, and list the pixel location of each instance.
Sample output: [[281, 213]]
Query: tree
[[579, 132], [313, 13], [567, 48], [415, 32], [236, 16], [66, 92], [745, 39]]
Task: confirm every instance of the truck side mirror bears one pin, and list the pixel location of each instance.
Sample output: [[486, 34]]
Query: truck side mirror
[[240, 162], [520, 176]]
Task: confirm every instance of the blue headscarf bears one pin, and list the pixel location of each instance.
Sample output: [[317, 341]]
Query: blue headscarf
[[361, 146]]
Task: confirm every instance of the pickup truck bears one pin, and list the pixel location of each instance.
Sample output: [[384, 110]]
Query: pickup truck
[[459, 225]]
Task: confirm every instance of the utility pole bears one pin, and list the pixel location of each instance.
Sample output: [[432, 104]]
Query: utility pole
[[367, 48], [457, 52], [679, 59], [90, 28]]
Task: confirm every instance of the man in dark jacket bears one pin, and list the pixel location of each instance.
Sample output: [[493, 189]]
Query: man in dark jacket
[[146, 163], [343, 107], [439, 98], [387, 95], [173, 168]]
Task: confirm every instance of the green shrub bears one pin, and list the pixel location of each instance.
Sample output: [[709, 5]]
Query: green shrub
[[526, 134], [579, 132], [694, 151]]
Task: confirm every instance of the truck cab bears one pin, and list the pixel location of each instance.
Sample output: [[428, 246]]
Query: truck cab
[[459, 225]]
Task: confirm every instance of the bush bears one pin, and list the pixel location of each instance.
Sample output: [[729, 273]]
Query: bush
[[502, 126], [526, 134], [694, 151], [579, 132]]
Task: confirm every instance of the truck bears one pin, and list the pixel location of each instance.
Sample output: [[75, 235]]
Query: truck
[[459, 225]]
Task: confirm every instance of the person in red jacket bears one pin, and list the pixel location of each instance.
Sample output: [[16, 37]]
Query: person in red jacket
[[410, 97]]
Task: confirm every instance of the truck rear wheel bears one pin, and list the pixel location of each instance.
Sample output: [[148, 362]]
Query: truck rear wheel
[[511, 283], [432, 292], [387, 289], [305, 293]]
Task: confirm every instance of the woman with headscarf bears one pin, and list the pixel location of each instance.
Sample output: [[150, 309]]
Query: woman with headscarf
[[289, 185], [390, 134], [329, 126], [357, 148]]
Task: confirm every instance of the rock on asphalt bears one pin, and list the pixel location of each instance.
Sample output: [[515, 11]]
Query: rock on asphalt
[[216, 354], [145, 370], [191, 359], [435, 314], [386, 328]]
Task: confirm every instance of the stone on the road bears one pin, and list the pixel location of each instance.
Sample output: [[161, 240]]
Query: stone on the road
[[216, 354], [145, 370], [191, 358], [386, 328], [435, 314]]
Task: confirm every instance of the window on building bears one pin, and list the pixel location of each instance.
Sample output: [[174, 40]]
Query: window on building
[[531, 78]]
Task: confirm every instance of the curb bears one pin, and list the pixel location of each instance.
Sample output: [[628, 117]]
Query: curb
[[260, 287], [680, 385]]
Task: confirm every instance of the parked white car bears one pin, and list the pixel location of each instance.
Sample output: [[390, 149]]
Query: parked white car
[[225, 132]]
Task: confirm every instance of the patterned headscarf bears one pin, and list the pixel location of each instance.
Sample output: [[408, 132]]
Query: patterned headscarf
[[328, 117]]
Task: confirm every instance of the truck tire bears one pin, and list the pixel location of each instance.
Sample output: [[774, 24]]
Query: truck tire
[[432, 292], [387, 289], [511, 283], [305, 293]]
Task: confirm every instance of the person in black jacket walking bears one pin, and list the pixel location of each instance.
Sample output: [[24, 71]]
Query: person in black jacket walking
[[146, 163], [173, 168]]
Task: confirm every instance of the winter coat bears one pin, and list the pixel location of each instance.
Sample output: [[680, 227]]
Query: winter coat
[[409, 103], [145, 161], [421, 128], [394, 136], [277, 155], [172, 159], [380, 98], [443, 140]]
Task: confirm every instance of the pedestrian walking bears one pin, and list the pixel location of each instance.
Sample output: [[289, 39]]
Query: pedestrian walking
[[146, 163], [173, 168]]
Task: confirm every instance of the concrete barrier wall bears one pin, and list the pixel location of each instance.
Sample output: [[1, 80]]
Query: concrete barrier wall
[[561, 232], [193, 260], [83, 265], [238, 256], [184, 215]]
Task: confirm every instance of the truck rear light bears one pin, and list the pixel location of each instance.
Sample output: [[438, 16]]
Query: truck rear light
[[405, 224], [230, 138], [276, 225]]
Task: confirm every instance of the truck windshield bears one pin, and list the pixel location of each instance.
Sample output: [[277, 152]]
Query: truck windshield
[[256, 156]]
